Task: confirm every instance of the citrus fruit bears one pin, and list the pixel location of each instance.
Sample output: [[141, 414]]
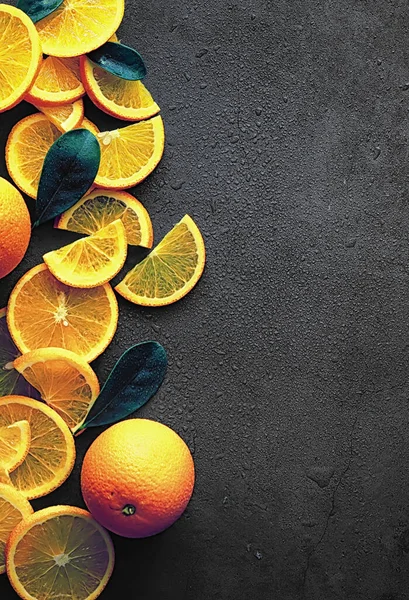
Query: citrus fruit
[[101, 207], [66, 117], [14, 444], [65, 381], [79, 26], [128, 100], [43, 312], [58, 82], [130, 154], [59, 552], [137, 477], [15, 227], [13, 508], [170, 271], [51, 454], [20, 55], [90, 261], [26, 148]]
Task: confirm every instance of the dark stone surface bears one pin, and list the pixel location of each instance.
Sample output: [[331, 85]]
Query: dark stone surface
[[287, 140]]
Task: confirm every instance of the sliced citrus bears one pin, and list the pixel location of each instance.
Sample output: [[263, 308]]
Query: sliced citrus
[[14, 444], [65, 381], [79, 26], [170, 271], [128, 100], [65, 117], [101, 207], [51, 455], [20, 55], [130, 154], [57, 82], [13, 508], [59, 552], [27, 145]]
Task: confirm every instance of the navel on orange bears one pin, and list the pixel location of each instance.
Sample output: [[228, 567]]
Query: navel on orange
[[66, 117], [57, 83], [15, 227], [14, 507]]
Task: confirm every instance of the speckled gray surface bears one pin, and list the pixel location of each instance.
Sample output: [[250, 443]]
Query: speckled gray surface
[[287, 141]]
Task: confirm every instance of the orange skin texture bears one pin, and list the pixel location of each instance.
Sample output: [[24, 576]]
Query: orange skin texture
[[15, 227], [143, 464]]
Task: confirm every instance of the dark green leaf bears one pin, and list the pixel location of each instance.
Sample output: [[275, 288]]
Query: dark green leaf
[[135, 378], [69, 170], [120, 60], [38, 9]]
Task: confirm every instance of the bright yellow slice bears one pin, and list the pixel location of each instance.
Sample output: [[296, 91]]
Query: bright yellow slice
[[128, 100], [91, 261], [51, 455], [79, 26], [14, 444], [100, 208], [65, 381], [170, 271], [20, 55], [130, 154], [58, 82], [65, 117], [45, 313], [14, 507]]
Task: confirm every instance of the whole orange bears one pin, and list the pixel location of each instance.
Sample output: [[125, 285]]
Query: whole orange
[[15, 227], [137, 478]]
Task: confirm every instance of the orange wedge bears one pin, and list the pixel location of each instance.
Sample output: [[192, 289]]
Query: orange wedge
[[65, 117], [14, 444], [65, 381], [100, 208], [51, 454], [44, 313], [79, 26], [59, 552], [57, 82], [170, 271], [128, 100], [14, 507], [91, 261], [130, 154], [20, 55]]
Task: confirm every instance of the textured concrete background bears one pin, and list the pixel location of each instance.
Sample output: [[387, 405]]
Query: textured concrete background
[[287, 141]]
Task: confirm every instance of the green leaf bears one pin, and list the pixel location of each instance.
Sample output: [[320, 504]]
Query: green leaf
[[135, 378], [69, 170], [38, 9], [120, 60]]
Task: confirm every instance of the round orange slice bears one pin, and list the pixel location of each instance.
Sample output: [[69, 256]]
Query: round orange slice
[[51, 454], [170, 271], [59, 552], [57, 82], [101, 207], [79, 26], [20, 55], [14, 507], [65, 381], [45, 313], [128, 100], [130, 154], [65, 117], [14, 444]]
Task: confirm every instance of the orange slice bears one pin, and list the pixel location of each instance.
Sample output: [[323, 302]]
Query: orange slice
[[14, 444], [45, 313], [130, 154], [51, 455], [101, 207], [20, 55], [57, 82], [91, 261], [170, 271], [65, 381], [13, 508], [26, 148], [79, 26], [59, 552], [128, 100], [65, 117]]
